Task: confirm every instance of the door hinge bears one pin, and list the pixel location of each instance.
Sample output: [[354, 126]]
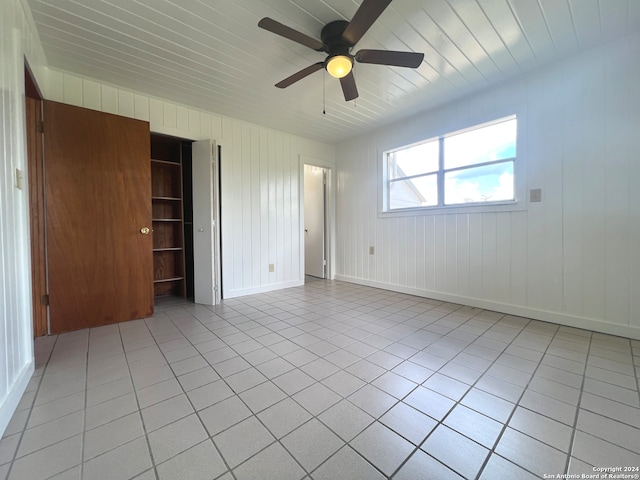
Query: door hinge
[[45, 300], [40, 126], [215, 288]]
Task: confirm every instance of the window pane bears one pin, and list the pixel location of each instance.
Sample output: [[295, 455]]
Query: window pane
[[489, 183], [486, 144], [415, 160], [417, 192]]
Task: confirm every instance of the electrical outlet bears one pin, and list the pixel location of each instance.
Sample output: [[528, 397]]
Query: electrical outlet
[[535, 195], [272, 268], [372, 250]]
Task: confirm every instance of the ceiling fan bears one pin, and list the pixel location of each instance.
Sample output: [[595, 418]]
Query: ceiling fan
[[337, 40]]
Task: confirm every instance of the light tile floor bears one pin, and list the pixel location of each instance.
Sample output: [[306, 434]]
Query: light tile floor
[[327, 381]]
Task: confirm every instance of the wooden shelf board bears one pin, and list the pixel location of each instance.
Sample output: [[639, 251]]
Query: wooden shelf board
[[173, 279], [167, 199], [164, 162]]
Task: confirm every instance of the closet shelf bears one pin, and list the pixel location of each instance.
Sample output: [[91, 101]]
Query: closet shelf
[[166, 199], [165, 162], [172, 279], [167, 213]]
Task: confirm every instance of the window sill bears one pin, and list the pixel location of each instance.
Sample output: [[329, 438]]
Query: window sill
[[455, 209]]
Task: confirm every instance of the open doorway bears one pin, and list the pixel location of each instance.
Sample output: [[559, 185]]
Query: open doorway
[[315, 222]]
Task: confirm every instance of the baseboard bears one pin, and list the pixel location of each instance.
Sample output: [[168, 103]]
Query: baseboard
[[262, 289], [537, 314], [12, 400]]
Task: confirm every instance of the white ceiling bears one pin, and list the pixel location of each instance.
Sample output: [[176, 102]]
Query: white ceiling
[[211, 55]]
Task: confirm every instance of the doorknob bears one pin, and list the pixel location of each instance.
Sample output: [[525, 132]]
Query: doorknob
[[145, 230]]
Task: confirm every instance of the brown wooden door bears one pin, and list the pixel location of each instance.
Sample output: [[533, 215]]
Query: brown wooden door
[[98, 198]]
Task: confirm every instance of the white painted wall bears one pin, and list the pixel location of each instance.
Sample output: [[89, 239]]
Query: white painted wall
[[572, 259], [17, 39]]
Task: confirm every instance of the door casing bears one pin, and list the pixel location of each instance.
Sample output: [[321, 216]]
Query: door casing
[[33, 110], [330, 214], [315, 258]]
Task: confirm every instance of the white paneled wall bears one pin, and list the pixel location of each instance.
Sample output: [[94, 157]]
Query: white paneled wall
[[260, 195], [574, 258], [17, 39]]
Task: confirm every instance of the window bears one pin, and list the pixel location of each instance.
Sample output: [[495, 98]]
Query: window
[[475, 166]]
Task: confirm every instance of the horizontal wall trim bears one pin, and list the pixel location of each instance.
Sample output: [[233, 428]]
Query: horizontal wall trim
[[8, 407], [527, 312], [262, 289]]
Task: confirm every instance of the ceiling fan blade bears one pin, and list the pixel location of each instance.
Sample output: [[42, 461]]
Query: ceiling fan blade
[[305, 72], [390, 57], [367, 13], [349, 89], [288, 32]]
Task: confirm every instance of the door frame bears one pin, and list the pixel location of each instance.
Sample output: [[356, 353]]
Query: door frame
[[35, 180], [329, 212], [315, 178]]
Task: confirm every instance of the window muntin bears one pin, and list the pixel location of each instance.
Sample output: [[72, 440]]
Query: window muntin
[[474, 167]]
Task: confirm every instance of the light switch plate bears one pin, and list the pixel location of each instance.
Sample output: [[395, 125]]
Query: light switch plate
[[535, 195], [19, 179]]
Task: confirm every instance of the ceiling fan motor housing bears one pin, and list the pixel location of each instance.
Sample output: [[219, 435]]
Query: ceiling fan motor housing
[[331, 36]]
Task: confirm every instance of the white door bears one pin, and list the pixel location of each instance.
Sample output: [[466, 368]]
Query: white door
[[314, 221], [204, 223]]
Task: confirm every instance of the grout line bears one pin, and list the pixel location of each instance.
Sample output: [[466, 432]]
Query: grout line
[[368, 316], [84, 413], [26, 423], [195, 411], [135, 392], [575, 419], [517, 404], [636, 368], [458, 402]]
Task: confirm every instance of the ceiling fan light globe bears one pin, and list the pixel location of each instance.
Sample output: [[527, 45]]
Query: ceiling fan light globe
[[339, 66]]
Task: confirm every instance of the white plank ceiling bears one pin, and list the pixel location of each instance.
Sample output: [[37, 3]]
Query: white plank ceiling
[[211, 55]]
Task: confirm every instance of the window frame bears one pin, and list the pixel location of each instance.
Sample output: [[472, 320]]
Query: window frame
[[478, 207]]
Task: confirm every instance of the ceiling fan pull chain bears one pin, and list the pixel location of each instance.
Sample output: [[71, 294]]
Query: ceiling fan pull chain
[[355, 101], [324, 100]]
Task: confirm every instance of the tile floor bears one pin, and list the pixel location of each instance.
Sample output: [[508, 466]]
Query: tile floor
[[326, 381]]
